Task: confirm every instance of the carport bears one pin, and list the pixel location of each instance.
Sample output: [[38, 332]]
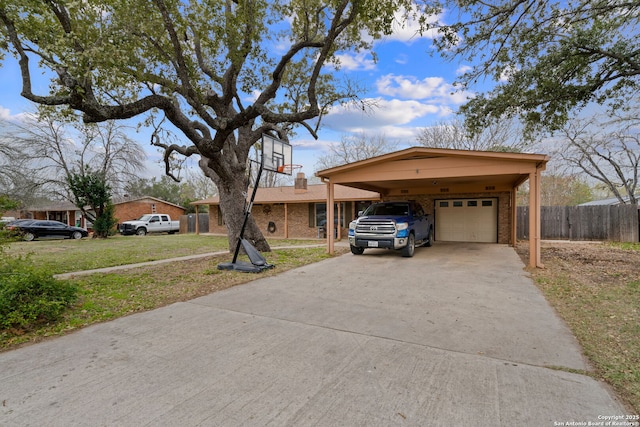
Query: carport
[[471, 193]]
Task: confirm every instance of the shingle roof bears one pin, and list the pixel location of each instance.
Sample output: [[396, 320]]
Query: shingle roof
[[606, 202], [68, 206], [314, 193], [53, 206], [122, 201]]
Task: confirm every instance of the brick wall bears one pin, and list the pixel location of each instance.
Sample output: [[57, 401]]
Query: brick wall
[[136, 208], [299, 216], [264, 214]]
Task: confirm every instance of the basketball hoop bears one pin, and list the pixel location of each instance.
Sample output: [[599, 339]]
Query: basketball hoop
[[288, 169]]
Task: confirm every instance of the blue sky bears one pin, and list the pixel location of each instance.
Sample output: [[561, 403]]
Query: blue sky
[[411, 88]]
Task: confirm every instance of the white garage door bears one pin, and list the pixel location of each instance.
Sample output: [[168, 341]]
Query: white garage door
[[467, 220]]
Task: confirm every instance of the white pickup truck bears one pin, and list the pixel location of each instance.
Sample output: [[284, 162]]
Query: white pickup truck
[[150, 223]]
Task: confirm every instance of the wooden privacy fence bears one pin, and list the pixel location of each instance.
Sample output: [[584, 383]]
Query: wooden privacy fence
[[188, 223], [612, 223]]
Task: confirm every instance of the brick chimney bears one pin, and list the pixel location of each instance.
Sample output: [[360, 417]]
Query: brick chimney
[[300, 184]]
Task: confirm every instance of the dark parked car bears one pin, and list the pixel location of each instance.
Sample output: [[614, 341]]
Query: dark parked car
[[17, 222], [34, 229]]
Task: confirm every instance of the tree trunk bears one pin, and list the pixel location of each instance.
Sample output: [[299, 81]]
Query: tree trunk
[[233, 198]]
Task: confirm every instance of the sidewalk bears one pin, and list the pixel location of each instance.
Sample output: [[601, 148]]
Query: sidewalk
[[164, 261]]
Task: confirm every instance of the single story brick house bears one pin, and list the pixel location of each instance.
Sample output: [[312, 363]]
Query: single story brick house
[[125, 210], [128, 209], [65, 212], [298, 211]]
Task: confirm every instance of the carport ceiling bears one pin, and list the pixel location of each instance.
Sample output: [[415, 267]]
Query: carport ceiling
[[430, 184]]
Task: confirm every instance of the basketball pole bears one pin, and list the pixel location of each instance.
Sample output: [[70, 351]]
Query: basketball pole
[[248, 210], [276, 154]]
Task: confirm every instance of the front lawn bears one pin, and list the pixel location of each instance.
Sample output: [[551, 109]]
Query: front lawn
[[107, 296], [64, 256]]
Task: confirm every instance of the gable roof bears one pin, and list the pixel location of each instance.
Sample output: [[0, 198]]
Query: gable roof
[[314, 194], [68, 206], [155, 199]]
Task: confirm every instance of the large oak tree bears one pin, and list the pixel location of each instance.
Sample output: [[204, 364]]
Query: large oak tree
[[549, 57], [223, 72]]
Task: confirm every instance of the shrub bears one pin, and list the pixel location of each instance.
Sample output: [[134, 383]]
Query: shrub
[[105, 224], [30, 296]]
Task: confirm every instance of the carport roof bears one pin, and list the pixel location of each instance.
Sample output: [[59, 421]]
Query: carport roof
[[435, 167]]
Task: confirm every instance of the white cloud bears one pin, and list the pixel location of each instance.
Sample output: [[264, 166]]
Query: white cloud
[[435, 89], [463, 69], [386, 113], [407, 30], [253, 96], [360, 61], [5, 113], [506, 74], [311, 144]]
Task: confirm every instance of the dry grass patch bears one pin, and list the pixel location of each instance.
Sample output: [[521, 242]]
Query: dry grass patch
[[595, 288]]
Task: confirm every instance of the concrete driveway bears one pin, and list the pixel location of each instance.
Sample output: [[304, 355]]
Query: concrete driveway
[[457, 335]]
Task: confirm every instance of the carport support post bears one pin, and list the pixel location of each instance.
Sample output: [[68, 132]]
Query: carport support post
[[197, 222], [514, 217], [286, 220], [534, 219], [330, 216]]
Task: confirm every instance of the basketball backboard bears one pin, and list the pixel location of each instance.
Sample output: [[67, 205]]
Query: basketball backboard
[[277, 155]]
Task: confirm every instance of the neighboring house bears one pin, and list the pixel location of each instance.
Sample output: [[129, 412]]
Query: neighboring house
[[298, 211], [124, 210], [128, 209], [65, 212], [608, 202]]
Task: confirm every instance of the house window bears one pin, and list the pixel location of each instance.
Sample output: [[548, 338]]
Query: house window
[[472, 203], [457, 204], [444, 204], [487, 203], [360, 207], [321, 214]]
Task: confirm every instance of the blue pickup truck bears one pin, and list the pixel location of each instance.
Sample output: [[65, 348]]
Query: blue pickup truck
[[399, 225]]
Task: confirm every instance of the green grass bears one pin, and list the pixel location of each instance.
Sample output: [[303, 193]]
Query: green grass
[[107, 296], [629, 246], [64, 256]]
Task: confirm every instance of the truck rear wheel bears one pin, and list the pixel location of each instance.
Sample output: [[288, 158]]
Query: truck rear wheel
[[357, 250], [410, 249], [429, 241]]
